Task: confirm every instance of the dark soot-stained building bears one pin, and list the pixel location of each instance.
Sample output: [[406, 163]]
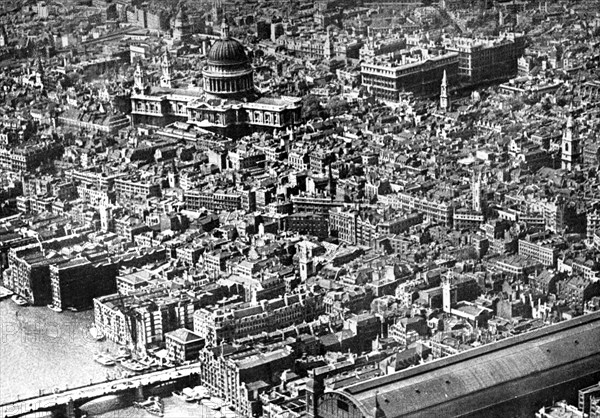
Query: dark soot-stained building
[[509, 378]]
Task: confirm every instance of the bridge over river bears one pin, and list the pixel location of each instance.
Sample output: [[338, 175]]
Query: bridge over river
[[66, 402]]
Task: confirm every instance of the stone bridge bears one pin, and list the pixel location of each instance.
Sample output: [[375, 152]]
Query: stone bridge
[[66, 402]]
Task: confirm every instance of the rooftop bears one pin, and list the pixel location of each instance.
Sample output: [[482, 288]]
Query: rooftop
[[442, 383]]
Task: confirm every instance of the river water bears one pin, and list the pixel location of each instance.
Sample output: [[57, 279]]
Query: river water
[[41, 350]]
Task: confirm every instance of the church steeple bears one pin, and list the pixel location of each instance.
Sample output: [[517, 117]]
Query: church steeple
[[286, 141], [444, 100], [165, 65], [570, 124], [328, 49], [476, 190], [39, 75], [570, 146], [139, 77]]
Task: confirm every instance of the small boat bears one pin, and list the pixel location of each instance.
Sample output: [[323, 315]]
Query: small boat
[[55, 308], [186, 394], [201, 392], [104, 359], [133, 365], [19, 300], [72, 309], [123, 354], [96, 334], [148, 362], [211, 405], [154, 405], [4, 292], [217, 401], [179, 395]]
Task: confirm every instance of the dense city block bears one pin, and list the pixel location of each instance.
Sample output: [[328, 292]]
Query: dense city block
[[322, 208]]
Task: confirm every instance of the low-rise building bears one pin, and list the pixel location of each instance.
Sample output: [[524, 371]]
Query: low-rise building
[[183, 345]]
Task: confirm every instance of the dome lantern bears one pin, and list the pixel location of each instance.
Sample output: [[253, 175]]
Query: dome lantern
[[224, 29]]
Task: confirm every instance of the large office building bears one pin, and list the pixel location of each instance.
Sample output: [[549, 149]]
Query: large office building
[[420, 68], [137, 189], [235, 322], [542, 247], [481, 59], [30, 157], [226, 103], [419, 72], [513, 377]]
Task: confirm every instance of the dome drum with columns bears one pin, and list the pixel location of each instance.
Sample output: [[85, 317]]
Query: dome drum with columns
[[228, 72]]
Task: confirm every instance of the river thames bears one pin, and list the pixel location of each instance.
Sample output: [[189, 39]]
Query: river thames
[[41, 350]]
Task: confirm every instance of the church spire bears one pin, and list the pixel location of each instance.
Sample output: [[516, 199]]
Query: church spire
[[165, 79], [39, 75], [328, 49], [139, 77], [444, 100], [571, 148]]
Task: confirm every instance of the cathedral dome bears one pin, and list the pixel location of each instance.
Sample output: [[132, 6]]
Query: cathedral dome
[[227, 51], [228, 71]]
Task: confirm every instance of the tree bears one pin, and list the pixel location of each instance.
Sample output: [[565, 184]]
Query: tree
[[337, 106], [311, 108]]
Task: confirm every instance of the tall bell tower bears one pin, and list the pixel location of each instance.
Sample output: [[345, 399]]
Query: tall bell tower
[[165, 65], [570, 147], [328, 48], [139, 77], [305, 261], [444, 99], [448, 294]]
